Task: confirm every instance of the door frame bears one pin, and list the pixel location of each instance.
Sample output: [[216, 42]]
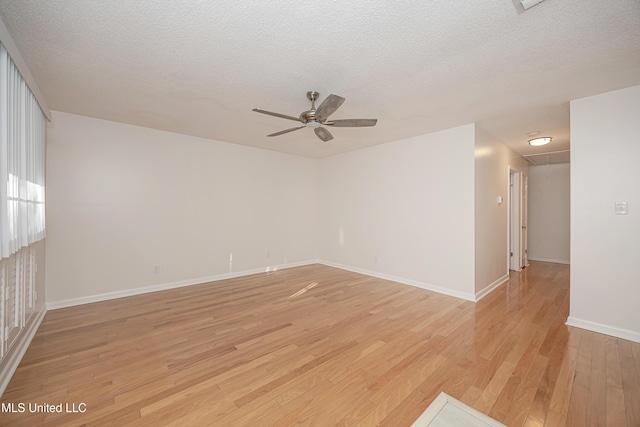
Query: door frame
[[514, 222], [524, 209]]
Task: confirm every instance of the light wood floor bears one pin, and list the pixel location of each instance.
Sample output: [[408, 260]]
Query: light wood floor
[[320, 346]]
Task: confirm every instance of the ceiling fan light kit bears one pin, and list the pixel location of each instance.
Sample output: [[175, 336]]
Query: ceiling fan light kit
[[317, 118]]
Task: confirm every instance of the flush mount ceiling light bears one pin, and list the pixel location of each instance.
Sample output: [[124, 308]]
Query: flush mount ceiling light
[[529, 3], [536, 142]]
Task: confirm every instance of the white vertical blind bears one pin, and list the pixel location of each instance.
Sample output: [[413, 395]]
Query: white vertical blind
[[22, 157], [17, 295]]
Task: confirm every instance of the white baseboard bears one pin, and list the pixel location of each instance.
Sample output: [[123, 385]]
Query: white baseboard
[[14, 356], [604, 329], [488, 289], [411, 282], [52, 305], [555, 261]]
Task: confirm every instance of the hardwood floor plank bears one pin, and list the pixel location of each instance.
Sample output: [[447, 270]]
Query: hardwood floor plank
[[283, 379], [579, 400], [525, 394], [630, 383], [559, 404], [616, 414], [494, 388], [316, 345], [597, 407]]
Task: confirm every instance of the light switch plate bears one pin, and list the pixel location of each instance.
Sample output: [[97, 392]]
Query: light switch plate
[[622, 208]]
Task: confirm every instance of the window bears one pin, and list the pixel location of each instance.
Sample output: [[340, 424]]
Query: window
[[22, 134], [22, 157]]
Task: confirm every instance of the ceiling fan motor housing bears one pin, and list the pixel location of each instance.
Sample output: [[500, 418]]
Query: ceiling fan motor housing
[[308, 116]]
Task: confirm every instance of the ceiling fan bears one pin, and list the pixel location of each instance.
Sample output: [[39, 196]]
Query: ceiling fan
[[316, 118]]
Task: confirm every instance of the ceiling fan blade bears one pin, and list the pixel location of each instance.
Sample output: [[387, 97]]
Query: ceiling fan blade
[[287, 131], [323, 134], [328, 107], [270, 113], [356, 123]]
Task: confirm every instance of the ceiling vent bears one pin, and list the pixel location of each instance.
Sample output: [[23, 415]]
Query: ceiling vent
[[530, 3], [552, 157]]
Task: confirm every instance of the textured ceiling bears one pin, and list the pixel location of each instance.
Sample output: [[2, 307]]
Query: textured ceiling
[[199, 67]]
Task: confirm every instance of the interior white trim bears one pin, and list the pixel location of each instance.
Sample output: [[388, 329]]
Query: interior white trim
[[604, 329], [14, 53], [52, 305], [411, 282], [555, 261], [443, 399], [488, 289], [14, 356]]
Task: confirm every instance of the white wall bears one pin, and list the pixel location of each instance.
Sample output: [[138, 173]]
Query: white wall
[[122, 199], [492, 162], [549, 213], [605, 272], [403, 210]]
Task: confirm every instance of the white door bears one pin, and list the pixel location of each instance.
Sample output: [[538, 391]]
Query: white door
[[515, 231], [525, 208]]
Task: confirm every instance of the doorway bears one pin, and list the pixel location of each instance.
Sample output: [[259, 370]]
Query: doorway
[[517, 248]]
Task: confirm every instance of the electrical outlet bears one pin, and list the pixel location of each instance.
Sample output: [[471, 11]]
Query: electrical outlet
[[156, 269]]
